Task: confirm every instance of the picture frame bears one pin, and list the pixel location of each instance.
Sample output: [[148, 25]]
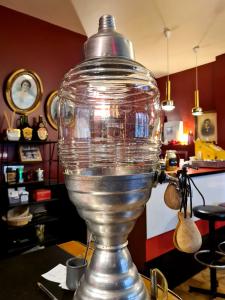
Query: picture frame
[[23, 91], [29, 153], [51, 109], [13, 169], [172, 131], [206, 127]]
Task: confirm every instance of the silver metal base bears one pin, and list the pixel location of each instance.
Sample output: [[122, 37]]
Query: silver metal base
[[111, 276], [110, 206]]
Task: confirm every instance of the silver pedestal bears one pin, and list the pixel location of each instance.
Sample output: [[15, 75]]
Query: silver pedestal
[[110, 206]]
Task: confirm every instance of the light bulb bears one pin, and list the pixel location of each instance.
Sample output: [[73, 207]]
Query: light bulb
[[197, 111], [167, 105]]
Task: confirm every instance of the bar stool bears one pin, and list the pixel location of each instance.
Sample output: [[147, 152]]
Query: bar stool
[[210, 258], [221, 246]]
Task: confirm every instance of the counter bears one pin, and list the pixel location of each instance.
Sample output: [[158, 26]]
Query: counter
[[161, 220]]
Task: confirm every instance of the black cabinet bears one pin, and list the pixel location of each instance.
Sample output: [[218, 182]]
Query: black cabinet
[[53, 219]]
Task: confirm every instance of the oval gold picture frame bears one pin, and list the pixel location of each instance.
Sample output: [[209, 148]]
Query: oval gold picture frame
[[24, 91], [51, 109]]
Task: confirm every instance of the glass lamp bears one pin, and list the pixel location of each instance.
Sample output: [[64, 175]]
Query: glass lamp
[[168, 104], [196, 110]]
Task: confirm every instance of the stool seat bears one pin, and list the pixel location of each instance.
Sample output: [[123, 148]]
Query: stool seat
[[209, 212]]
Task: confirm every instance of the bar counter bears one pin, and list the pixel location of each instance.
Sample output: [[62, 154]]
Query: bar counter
[[205, 171]]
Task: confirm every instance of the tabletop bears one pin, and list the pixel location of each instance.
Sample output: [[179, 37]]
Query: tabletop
[[19, 274]]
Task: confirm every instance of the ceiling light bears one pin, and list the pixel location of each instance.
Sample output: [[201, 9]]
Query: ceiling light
[[168, 103], [196, 110]]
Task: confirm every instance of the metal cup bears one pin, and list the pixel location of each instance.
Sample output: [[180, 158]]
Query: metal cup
[[75, 268]]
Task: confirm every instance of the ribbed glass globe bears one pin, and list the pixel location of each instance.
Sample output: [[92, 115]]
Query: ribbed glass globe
[[109, 118]]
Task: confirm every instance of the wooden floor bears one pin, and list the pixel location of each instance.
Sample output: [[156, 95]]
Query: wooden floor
[[200, 280]]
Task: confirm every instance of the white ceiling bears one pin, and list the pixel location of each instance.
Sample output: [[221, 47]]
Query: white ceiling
[[192, 22]]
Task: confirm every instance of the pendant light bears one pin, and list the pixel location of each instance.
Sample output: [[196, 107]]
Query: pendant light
[[196, 110], [167, 104]]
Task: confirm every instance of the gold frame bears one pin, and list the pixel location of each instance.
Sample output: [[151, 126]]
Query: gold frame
[[208, 134], [49, 116], [14, 79], [34, 151]]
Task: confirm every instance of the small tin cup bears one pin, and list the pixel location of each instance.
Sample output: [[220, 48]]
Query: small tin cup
[[75, 268]]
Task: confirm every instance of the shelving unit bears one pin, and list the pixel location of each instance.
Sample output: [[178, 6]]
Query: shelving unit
[[17, 239], [59, 215]]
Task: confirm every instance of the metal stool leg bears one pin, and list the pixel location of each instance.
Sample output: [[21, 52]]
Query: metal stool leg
[[213, 279], [221, 247], [212, 247]]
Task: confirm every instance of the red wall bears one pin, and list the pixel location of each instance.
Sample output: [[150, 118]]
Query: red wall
[[50, 51], [30, 43], [211, 89]]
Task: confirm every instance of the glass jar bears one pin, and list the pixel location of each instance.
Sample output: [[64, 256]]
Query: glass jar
[[109, 110], [171, 160]]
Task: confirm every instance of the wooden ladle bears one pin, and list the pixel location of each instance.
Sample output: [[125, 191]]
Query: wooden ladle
[[187, 237], [172, 196]]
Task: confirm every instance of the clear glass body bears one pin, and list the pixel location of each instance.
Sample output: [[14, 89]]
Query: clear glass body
[[109, 118]]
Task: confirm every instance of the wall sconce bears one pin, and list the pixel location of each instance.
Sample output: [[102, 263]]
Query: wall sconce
[[196, 110], [167, 104]]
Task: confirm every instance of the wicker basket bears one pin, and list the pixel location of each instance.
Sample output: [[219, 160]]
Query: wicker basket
[[18, 221], [18, 216], [19, 211]]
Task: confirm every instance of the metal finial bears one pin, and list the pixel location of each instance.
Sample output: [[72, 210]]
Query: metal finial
[[106, 22]]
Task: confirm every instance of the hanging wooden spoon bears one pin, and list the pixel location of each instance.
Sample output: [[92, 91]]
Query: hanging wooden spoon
[[187, 237], [172, 197]]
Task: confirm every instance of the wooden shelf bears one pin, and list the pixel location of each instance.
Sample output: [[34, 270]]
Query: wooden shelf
[[27, 142], [32, 202], [25, 183], [35, 221]]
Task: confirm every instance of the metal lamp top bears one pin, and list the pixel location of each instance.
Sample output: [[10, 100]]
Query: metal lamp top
[[107, 42]]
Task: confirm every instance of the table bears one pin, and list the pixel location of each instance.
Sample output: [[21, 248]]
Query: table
[[19, 275]]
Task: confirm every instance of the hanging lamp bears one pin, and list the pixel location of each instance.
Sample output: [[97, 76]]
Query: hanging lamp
[[167, 104], [196, 110]]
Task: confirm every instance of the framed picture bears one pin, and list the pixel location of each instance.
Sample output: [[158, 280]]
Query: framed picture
[[23, 91], [173, 130], [206, 127], [51, 109], [9, 175], [30, 153]]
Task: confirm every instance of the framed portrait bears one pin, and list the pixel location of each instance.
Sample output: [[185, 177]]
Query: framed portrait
[[51, 109], [29, 153], [23, 91], [206, 127]]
